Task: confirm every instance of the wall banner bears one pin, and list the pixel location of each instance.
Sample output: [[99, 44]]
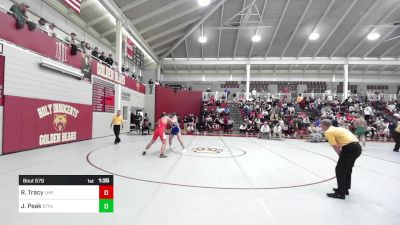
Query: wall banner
[[34, 123]]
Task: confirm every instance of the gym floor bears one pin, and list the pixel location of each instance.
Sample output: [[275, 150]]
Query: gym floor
[[229, 180]]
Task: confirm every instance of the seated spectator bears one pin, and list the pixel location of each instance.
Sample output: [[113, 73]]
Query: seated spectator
[[226, 110], [217, 123], [211, 102], [95, 52], [109, 60], [219, 110], [277, 130], [190, 129], [265, 130], [102, 57], [51, 31], [243, 128], [42, 25], [126, 72], [315, 134], [274, 116], [229, 124], [19, 12]]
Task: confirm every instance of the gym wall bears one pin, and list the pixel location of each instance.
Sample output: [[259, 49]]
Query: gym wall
[[182, 102], [33, 94]]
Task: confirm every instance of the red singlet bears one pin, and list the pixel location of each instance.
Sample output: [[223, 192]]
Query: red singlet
[[160, 130]]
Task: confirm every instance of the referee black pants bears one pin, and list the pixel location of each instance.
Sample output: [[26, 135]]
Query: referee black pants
[[117, 129], [396, 137], [345, 165]]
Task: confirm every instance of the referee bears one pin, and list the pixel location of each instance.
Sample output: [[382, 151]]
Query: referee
[[396, 137], [347, 147], [117, 122]]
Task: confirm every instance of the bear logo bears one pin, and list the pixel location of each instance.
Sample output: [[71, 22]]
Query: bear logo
[[60, 122]]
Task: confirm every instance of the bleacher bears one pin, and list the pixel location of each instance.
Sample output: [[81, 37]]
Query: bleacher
[[285, 86], [230, 84]]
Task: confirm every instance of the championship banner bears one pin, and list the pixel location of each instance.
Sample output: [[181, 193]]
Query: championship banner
[[34, 123], [87, 67], [130, 49]]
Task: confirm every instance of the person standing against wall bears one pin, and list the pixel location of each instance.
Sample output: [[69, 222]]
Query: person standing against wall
[[396, 137], [117, 124]]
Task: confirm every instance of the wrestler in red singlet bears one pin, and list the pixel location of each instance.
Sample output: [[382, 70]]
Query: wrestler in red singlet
[[160, 132]]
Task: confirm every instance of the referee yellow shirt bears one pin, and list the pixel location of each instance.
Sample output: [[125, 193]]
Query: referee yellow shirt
[[339, 136], [117, 120], [398, 128]]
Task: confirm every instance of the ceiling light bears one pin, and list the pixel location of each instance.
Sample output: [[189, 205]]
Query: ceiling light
[[202, 39], [256, 38], [203, 2], [314, 36], [373, 36]]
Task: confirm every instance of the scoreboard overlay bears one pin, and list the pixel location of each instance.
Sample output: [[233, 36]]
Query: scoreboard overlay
[[66, 194]]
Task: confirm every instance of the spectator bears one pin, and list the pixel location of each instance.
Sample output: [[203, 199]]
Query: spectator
[[396, 136], [73, 42], [265, 130], [227, 92], [190, 129], [299, 99], [314, 133], [278, 130], [368, 113], [146, 124], [19, 12], [51, 31], [42, 25], [102, 57], [87, 46], [254, 93], [243, 128], [109, 60], [83, 46], [190, 88], [126, 71], [151, 84], [95, 52]]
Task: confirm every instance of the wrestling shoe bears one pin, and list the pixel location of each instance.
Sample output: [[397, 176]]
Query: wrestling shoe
[[336, 195], [163, 156], [144, 153], [183, 150], [396, 150], [336, 190]]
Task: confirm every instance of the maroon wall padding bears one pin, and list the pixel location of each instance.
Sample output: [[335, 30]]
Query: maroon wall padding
[[2, 61], [23, 127], [181, 102]]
